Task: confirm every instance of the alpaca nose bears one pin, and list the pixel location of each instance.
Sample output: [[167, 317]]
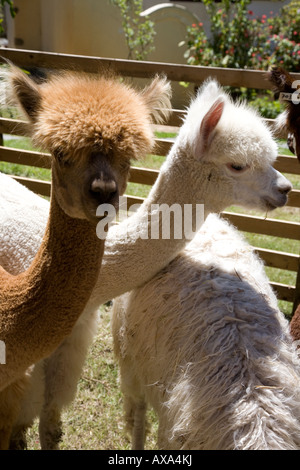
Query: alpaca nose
[[103, 190], [285, 189], [282, 184]]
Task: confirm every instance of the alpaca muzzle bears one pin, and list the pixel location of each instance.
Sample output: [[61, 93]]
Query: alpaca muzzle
[[104, 189], [279, 195]]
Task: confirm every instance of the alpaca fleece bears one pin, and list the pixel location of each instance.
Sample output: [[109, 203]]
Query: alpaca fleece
[[205, 344], [117, 118]]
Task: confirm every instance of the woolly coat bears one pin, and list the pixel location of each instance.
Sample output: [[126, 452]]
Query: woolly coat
[[205, 344]]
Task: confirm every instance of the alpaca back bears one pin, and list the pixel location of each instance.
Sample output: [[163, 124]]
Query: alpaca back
[[21, 228], [217, 362]]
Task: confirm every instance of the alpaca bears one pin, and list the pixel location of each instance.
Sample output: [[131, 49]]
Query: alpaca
[[214, 147], [289, 119], [204, 343], [295, 325], [286, 86], [93, 127]]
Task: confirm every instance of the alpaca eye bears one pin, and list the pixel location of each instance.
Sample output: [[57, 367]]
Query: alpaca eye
[[61, 157], [58, 154], [125, 164], [236, 168]]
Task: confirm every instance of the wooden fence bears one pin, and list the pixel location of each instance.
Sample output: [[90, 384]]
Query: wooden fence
[[139, 69]]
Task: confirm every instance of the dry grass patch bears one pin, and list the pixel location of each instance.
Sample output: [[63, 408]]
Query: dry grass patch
[[94, 421]]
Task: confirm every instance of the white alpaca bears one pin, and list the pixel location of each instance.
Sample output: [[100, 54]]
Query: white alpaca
[[204, 343], [223, 155]]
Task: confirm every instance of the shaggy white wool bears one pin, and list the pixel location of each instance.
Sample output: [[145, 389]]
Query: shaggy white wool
[[21, 231], [256, 147], [205, 344]]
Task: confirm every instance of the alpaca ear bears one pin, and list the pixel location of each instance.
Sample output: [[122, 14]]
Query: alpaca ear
[[210, 89], [157, 98], [280, 79], [208, 126], [25, 91]]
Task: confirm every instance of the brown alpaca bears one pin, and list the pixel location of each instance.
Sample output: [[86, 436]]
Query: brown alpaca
[[295, 324], [92, 127], [282, 82]]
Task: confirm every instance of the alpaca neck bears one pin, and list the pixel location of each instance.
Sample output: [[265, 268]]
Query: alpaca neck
[[131, 259], [39, 307], [183, 181]]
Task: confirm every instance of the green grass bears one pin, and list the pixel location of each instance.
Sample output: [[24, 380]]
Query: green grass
[[23, 170], [94, 421]]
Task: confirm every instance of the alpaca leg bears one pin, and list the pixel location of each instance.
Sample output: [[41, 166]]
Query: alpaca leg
[[50, 428], [5, 433], [18, 439], [135, 417], [138, 433], [10, 404], [62, 373], [31, 405], [133, 396]]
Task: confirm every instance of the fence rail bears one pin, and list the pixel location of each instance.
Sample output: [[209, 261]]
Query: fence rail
[[174, 72], [138, 69]]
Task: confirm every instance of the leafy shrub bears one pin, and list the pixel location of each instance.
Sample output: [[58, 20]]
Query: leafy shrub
[[240, 40], [267, 107], [139, 31]]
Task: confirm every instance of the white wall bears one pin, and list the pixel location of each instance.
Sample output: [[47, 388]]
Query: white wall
[[88, 27]]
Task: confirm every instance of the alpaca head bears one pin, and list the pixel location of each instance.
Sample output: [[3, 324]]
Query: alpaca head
[[233, 146], [93, 128], [290, 119]]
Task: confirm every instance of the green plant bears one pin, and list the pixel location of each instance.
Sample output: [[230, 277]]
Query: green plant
[[11, 9], [11, 6], [139, 31], [266, 106], [239, 40], [232, 40], [287, 22], [282, 47]]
